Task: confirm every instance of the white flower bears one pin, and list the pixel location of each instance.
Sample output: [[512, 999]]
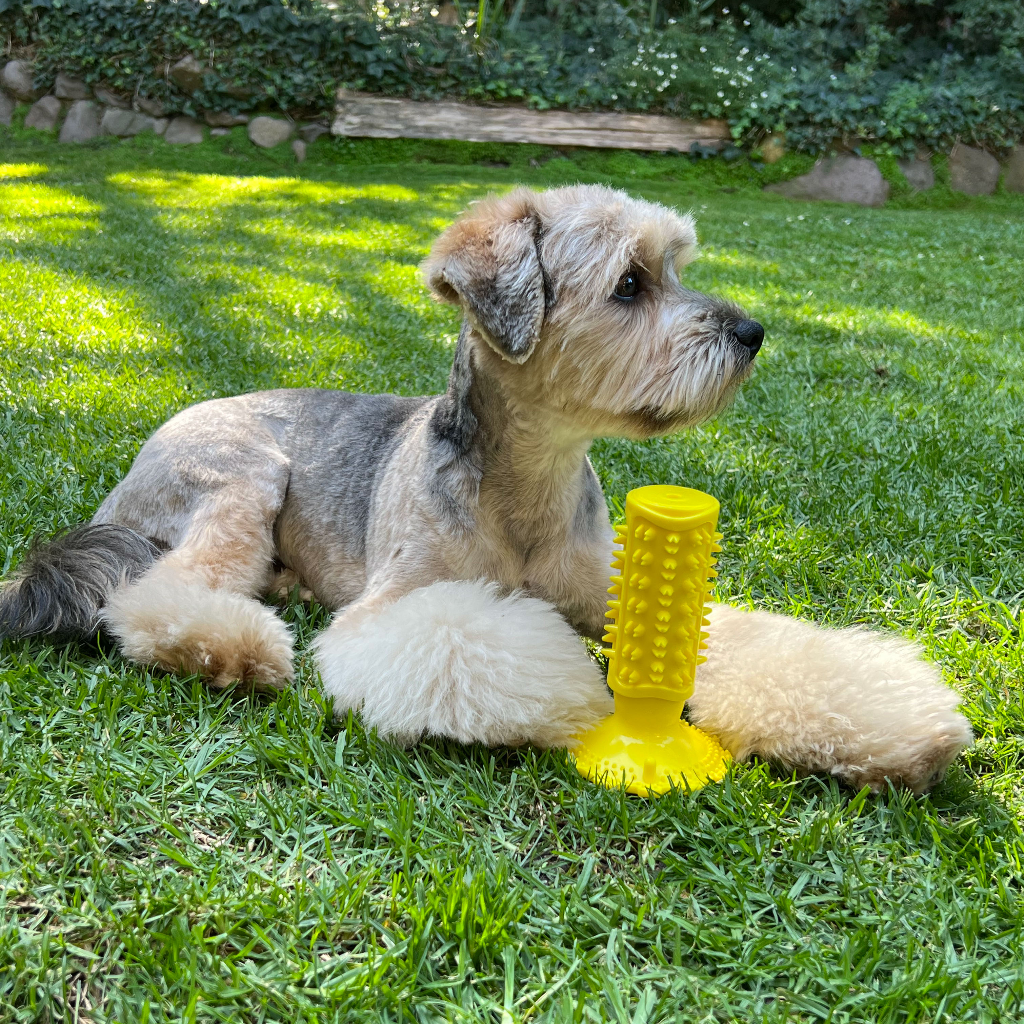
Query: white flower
[[720, 94]]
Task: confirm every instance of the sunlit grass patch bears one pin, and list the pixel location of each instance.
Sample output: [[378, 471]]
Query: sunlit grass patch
[[22, 170], [172, 853], [198, 190]]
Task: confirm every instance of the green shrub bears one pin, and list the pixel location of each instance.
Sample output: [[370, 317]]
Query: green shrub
[[895, 73], [899, 73]]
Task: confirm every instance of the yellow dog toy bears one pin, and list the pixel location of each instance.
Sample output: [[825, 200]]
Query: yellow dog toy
[[656, 607]]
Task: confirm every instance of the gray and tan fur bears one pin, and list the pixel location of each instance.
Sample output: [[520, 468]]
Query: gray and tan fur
[[463, 539]]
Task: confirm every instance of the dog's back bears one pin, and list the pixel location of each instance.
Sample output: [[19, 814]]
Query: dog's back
[[298, 456]]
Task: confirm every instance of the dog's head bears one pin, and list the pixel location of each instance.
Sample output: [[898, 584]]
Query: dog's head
[[576, 303]]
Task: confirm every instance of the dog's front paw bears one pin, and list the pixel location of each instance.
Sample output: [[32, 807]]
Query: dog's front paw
[[458, 660], [862, 707]]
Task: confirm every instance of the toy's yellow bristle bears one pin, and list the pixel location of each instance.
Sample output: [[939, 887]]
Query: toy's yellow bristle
[[656, 608]]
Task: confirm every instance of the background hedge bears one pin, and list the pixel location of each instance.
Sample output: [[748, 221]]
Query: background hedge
[[827, 72]]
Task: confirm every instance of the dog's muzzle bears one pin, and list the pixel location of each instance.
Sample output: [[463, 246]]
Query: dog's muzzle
[[750, 334]]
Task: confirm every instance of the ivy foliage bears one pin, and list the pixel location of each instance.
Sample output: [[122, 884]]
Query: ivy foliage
[[892, 72]]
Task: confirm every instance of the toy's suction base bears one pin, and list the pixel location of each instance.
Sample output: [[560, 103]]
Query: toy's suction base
[[649, 753]]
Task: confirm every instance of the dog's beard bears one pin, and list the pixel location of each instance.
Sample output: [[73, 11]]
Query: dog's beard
[[646, 369], [675, 386], [698, 379]]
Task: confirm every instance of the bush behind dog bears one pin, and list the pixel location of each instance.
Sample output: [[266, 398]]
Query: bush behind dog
[[900, 74]]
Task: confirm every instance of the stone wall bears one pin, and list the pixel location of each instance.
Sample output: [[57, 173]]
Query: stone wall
[[77, 113]]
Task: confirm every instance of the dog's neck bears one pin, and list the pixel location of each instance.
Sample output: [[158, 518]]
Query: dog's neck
[[530, 464]]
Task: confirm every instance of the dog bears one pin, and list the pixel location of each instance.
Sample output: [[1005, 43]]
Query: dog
[[463, 540]]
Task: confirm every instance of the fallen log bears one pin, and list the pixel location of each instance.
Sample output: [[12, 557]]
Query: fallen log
[[386, 117]]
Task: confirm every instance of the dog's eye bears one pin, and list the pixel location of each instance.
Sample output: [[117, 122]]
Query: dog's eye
[[628, 286]]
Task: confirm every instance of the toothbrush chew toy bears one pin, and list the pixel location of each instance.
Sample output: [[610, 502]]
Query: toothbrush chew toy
[[656, 607]]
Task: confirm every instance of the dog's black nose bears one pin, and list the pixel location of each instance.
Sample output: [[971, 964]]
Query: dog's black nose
[[750, 334]]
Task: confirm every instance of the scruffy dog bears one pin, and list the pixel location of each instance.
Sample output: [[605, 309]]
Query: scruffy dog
[[463, 540]]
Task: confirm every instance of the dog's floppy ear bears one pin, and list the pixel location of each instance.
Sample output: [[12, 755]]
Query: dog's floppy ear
[[488, 262]]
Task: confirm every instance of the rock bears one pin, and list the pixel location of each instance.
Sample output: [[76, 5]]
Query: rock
[[919, 173], [309, 133], [113, 98], [150, 106], [188, 74], [1013, 170], [299, 149], [973, 171], [44, 114], [183, 131], [160, 125], [82, 122], [219, 132], [68, 88], [223, 119], [16, 78], [269, 132], [239, 92], [841, 179], [124, 123], [6, 109], [773, 149]]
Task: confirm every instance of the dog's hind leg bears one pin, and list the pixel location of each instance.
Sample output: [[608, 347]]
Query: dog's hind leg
[[196, 610], [458, 660]]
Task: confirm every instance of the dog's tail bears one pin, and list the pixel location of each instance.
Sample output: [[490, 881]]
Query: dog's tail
[[64, 583]]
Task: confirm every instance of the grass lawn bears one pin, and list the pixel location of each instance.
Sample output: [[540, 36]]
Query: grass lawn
[[167, 853]]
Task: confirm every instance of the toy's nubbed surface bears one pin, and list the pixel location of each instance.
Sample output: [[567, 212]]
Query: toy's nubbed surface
[[656, 611]]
